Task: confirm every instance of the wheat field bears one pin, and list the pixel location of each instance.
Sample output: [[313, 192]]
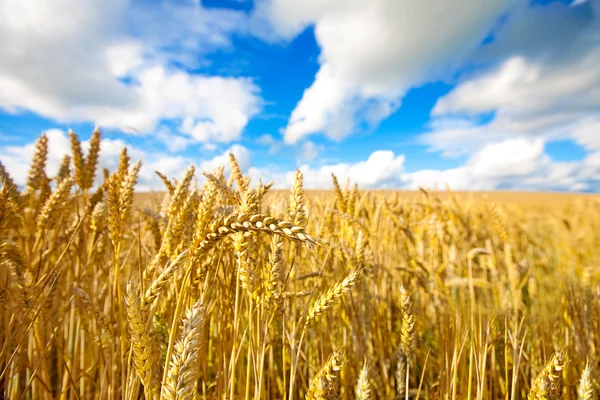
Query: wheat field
[[228, 290]]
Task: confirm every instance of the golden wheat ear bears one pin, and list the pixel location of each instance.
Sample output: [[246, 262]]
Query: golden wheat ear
[[585, 390], [363, 387], [145, 347], [334, 293], [548, 383], [91, 162], [37, 169], [325, 385], [184, 372]]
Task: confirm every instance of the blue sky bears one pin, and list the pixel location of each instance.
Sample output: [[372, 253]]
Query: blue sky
[[393, 94]]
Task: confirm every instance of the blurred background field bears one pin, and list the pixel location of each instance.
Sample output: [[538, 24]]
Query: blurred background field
[[535, 199]]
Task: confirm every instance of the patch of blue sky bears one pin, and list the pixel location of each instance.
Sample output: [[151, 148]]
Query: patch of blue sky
[[564, 150]]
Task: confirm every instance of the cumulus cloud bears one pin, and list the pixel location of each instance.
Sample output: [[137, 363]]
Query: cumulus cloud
[[373, 52], [587, 133], [546, 85], [511, 164], [114, 63], [308, 151]]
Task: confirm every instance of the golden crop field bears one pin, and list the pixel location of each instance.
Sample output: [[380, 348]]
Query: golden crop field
[[231, 291]]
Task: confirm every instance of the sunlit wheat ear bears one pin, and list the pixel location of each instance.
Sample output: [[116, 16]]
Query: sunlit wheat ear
[[127, 187], [37, 168], [407, 333], [154, 290], [363, 387], [11, 257], [143, 342], [325, 385], [64, 170], [548, 383], [6, 180], [334, 293], [166, 182], [91, 162], [352, 198], [8, 208], [401, 374], [78, 162], [271, 279], [123, 163], [228, 193], [297, 205], [585, 390], [261, 190], [183, 369], [238, 176], [52, 206], [223, 227], [180, 193], [101, 318], [341, 201], [205, 209], [98, 217]]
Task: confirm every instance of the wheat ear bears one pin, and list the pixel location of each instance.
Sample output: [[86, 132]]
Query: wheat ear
[[363, 387], [585, 390], [184, 368], [324, 385], [547, 384]]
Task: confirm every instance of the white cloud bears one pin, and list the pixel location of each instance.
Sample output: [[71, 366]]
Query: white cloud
[[382, 169], [510, 158], [373, 52], [89, 66], [547, 84], [515, 164], [511, 164], [308, 151], [587, 133], [578, 2]]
